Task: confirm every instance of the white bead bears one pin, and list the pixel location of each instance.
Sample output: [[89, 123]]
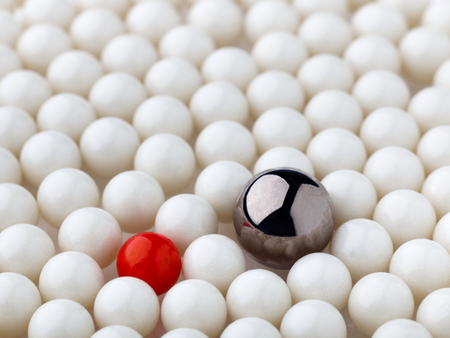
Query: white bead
[[370, 52], [325, 32], [437, 189], [163, 114], [393, 168], [10, 60], [218, 100], [46, 152], [434, 148], [334, 149], [187, 41], [16, 127], [441, 232], [230, 64], [402, 328], [258, 293], [352, 193], [220, 184], [67, 113], [25, 249], [10, 170], [184, 218], [61, 318], [379, 298], [225, 141], [58, 12], [281, 126], [216, 259], [389, 126], [433, 313], [194, 304], [92, 231], [10, 28], [436, 15], [320, 276], [116, 331], [152, 19], [381, 88], [64, 191], [71, 275], [127, 301], [250, 327], [441, 77], [267, 16], [422, 264], [108, 146], [380, 19], [411, 9], [15, 89], [314, 318], [167, 158], [406, 215], [19, 299], [184, 333], [333, 109], [117, 94], [74, 71], [307, 7], [423, 49], [173, 76], [18, 206], [133, 198], [279, 50], [274, 88], [118, 6], [429, 107], [130, 53], [93, 28]]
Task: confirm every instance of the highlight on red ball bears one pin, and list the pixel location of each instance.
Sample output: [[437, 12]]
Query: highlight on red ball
[[152, 258]]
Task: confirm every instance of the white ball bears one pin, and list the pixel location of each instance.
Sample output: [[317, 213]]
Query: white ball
[[283, 157], [184, 332], [225, 141], [313, 318], [17, 206], [436, 15], [380, 19], [258, 293], [379, 298], [352, 194], [74, 71], [152, 19], [441, 233], [64, 191], [10, 28], [185, 218], [117, 94], [127, 301], [441, 77], [24, 89], [267, 16], [71, 275], [325, 32], [163, 114], [423, 49], [10, 170], [173, 76], [230, 64], [250, 327], [389, 126], [333, 109], [19, 299], [67, 113], [335, 149], [320, 276], [281, 126], [364, 246], [46, 152], [307, 7], [92, 231], [402, 328], [16, 127], [133, 198], [433, 313], [434, 148], [10, 60], [118, 6], [381, 88], [57, 12], [220, 184], [25, 249], [274, 88], [412, 10], [108, 146], [393, 168], [194, 304], [61, 318], [436, 189], [116, 331], [129, 53], [216, 259]]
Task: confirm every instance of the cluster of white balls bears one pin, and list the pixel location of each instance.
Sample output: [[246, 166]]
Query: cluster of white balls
[[159, 111]]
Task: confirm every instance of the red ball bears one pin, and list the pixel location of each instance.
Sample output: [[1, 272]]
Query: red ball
[[151, 257]]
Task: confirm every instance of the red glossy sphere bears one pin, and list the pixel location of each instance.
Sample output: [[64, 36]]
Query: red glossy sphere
[[151, 257]]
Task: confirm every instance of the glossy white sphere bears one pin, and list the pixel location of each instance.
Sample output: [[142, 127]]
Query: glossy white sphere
[[441, 232], [250, 327], [401, 328], [16, 127], [58, 12], [306, 7], [436, 15], [118, 6], [10, 60], [433, 311], [283, 157], [9, 28], [412, 10], [434, 148], [116, 331], [10, 170], [436, 189], [184, 332], [441, 77]]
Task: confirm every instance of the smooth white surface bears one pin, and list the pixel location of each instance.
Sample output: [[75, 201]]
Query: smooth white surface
[[116, 331], [16, 127], [436, 188], [58, 12], [442, 75], [9, 27], [118, 6], [250, 327], [10, 59], [411, 9], [307, 7], [402, 328], [184, 333], [436, 14], [441, 232], [433, 311], [283, 157], [10, 170], [434, 148]]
